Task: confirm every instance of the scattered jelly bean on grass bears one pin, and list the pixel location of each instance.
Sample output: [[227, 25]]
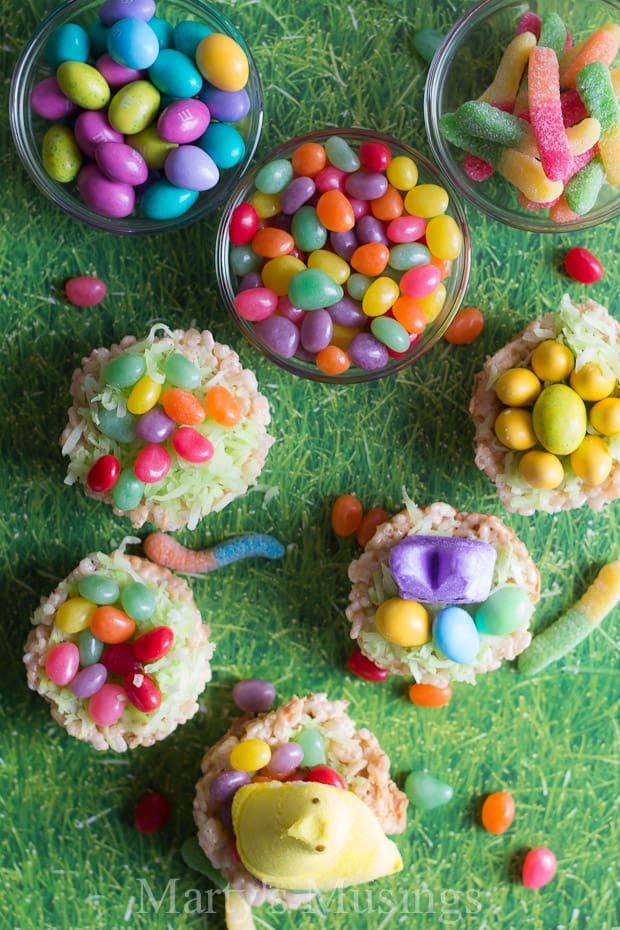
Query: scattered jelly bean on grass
[[539, 867], [85, 291], [498, 811], [427, 792], [254, 695], [346, 515], [151, 813], [465, 327], [370, 521], [360, 665], [583, 266], [423, 695]]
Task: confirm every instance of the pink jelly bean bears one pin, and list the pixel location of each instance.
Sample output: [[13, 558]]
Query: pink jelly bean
[[243, 224], [256, 304], [191, 445], [183, 120], [92, 128], [117, 75], [329, 179], [47, 100], [108, 198], [106, 706], [289, 312], [546, 113], [120, 162], [406, 229], [152, 464], [420, 281], [62, 663], [85, 291], [539, 867]]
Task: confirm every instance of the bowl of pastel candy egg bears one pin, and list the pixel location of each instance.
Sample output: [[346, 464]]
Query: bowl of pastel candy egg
[[136, 116], [522, 112], [343, 256]]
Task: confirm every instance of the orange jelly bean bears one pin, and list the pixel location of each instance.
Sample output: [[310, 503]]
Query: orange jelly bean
[[346, 516], [182, 407], [308, 159], [409, 314], [370, 521], [444, 265], [371, 258], [222, 406], [389, 206], [332, 360], [111, 625], [335, 212], [465, 327], [429, 695], [272, 243], [498, 811]]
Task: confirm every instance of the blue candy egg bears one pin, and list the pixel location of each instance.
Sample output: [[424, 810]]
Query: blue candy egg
[[163, 201], [67, 43], [173, 73], [455, 635], [132, 42], [223, 143], [163, 31], [98, 36], [188, 35]]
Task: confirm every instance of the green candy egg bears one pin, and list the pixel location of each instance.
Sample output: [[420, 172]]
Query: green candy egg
[[426, 791], [128, 490], [505, 611], [180, 372], [138, 601], [90, 647], [313, 746], [312, 289], [83, 84], [62, 158], [120, 428], [307, 230], [133, 107], [559, 419], [98, 589], [124, 371]]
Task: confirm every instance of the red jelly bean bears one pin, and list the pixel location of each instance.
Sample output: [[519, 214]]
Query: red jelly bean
[[325, 775], [111, 625], [151, 813], [85, 291], [152, 464], [104, 473], [257, 303], [183, 407], [375, 156], [153, 645], [359, 665], [106, 706], [142, 692], [243, 224], [330, 179], [370, 521], [192, 445], [346, 515], [583, 266], [119, 658], [465, 327]]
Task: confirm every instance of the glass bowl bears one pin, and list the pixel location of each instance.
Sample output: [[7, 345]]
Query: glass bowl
[[302, 363], [464, 66], [28, 128]]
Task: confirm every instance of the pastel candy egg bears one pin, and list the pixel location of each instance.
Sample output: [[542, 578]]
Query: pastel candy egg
[[83, 84], [174, 73], [405, 623], [187, 35], [559, 419], [504, 611], [132, 42], [191, 168], [164, 201], [163, 30], [222, 62], [62, 663], [115, 74], [47, 100], [133, 107], [113, 10], [224, 144], [98, 589], [183, 120], [61, 155], [109, 198], [91, 129], [69, 42], [228, 106], [455, 635], [152, 147], [120, 162]]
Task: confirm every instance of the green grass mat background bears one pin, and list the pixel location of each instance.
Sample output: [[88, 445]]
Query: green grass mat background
[[70, 858]]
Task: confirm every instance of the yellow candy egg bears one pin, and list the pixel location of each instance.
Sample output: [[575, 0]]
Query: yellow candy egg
[[402, 173], [513, 427], [426, 200], [402, 622], [83, 84], [332, 264], [144, 395], [74, 614], [518, 387], [134, 107], [590, 382], [444, 238], [277, 273], [152, 147], [222, 62], [541, 470], [250, 755], [552, 360], [591, 461], [62, 157], [605, 416]]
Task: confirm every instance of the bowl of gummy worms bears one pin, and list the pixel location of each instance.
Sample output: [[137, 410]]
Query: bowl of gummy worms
[[522, 114], [136, 116], [343, 256]]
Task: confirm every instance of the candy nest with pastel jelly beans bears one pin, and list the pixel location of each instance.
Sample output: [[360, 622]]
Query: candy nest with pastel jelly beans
[[306, 742], [547, 412], [442, 595], [341, 254], [120, 652], [166, 429]]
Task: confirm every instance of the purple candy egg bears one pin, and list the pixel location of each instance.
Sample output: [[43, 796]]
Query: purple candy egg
[[191, 168], [254, 695], [224, 785], [155, 426], [115, 74], [279, 335], [109, 198], [367, 352], [47, 100], [296, 194], [119, 162], [113, 10], [183, 120], [91, 129], [89, 680], [348, 312], [316, 330], [227, 106]]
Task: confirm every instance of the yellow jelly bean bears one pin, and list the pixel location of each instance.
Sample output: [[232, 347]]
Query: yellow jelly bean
[[144, 395], [402, 622], [277, 273], [517, 387], [591, 460], [222, 62], [541, 470], [552, 360], [83, 84], [134, 107], [402, 173], [590, 382], [426, 200], [432, 304], [342, 336], [605, 416], [332, 264], [514, 429], [380, 296], [62, 157], [444, 238], [74, 614], [250, 755], [266, 205], [152, 147]]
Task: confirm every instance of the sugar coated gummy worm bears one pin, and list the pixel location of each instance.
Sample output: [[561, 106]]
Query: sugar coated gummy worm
[[169, 552], [595, 87], [505, 85], [546, 113]]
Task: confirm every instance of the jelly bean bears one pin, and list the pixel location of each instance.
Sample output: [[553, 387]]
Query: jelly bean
[[371, 258], [222, 62], [152, 463], [182, 406], [155, 426], [266, 205], [346, 515], [132, 42], [61, 155], [389, 206], [539, 867], [120, 162], [243, 224], [83, 84], [408, 255], [367, 352], [48, 100], [116, 75], [142, 691], [410, 314], [85, 291], [455, 635], [324, 775], [287, 310], [144, 394], [254, 696], [426, 200], [256, 303], [403, 622], [119, 659], [420, 281], [180, 372], [366, 185], [444, 237], [133, 108], [309, 159], [380, 296], [312, 289], [243, 259], [107, 705], [68, 42], [498, 811], [316, 331], [74, 614], [250, 755], [423, 695], [335, 267], [465, 327], [173, 73], [332, 360], [192, 446], [222, 406], [427, 792], [402, 173], [278, 272], [406, 229], [344, 244], [112, 10], [189, 167], [111, 625], [370, 229], [370, 521], [426, 42], [583, 266], [279, 335], [358, 664], [151, 813], [224, 144], [375, 156], [108, 198], [89, 680], [307, 229], [348, 312], [272, 243], [391, 333], [98, 589], [62, 663], [224, 785], [103, 473], [273, 177], [313, 746], [152, 147], [285, 758], [296, 194], [90, 648], [153, 645], [138, 601], [128, 490], [334, 211], [504, 611], [330, 178], [357, 285], [340, 154], [187, 35]]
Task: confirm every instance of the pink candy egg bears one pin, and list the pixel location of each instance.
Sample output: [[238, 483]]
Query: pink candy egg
[[117, 75], [62, 663], [120, 162], [183, 120], [109, 198], [106, 706], [92, 128], [539, 867], [47, 100]]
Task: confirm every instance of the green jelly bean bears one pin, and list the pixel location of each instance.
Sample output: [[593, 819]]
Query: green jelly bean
[[307, 230], [120, 428], [128, 490], [407, 255], [504, 611], [90, 648], [313, 746], [582, 190], [391, 333], [313, 289], [357, 285], [138, 601], [597, 92], [426, 791], [553, 33], [274, 176], [426, 42], [180, 372], [124, 371], [340, 154], [134, 107], [243, 259], [83, 84], [195, 858], [98, 589], [62, 158]]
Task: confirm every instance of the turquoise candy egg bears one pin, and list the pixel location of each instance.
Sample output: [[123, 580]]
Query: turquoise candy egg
[[138, 600], [274, 176], [180, 372], [98, 36], [313, 746], [223, 143], [307, 230], [341, 155], [313, 289], [407, 255], [163, 201], [124, 371], [120, 428], [132, 42], [128, 490], [455, 635], [504, 611], [67, 43], [163, 30], [174, 73], [426, 791], [98, 589], [187, 36], [90, 647], [390, 333]]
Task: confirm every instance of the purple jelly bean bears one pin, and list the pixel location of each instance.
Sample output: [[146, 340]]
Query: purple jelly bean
[[91, 129], [287, 310], [316, 330], [367, 352], [113, 10], [189, 167], [370, 229], [47, 100], [225, 815], [282, 221], [227, 106], [120, 162], [366, 185], [254, 695], [285, 758], [296, 194], [251, 279], [304, 355], [155, 426], [115, 74], [279, 335], [109, 198], [183, 120], [360, 207], [344, 244], [88, 681], [224, 785], [348, 312]]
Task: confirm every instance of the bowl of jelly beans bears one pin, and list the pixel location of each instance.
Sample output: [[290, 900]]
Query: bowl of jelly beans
[[522, 114], [136, 116], [343, 256]]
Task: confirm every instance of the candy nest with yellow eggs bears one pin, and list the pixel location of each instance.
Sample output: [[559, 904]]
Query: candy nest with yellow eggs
[[546, 408]]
